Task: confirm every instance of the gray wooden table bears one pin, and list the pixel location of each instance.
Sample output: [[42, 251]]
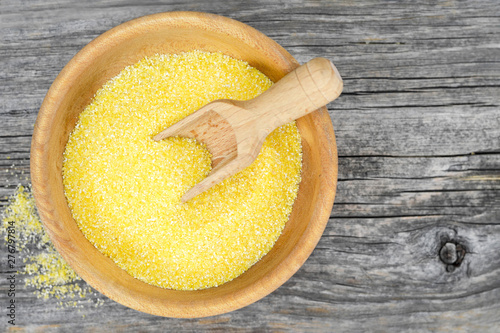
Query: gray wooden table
[[418, 133]]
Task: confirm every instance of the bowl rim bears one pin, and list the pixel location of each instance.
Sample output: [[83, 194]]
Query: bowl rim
[[320, 118]]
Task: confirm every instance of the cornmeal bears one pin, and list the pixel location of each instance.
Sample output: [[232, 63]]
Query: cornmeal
[[124, 189]]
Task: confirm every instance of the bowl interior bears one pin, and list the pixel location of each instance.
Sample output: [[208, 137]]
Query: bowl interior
[[74, 88]]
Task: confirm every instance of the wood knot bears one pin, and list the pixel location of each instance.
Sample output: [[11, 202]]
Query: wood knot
[[452, 254]]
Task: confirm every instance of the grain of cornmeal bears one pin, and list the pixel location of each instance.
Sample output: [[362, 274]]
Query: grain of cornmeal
[[124, 189]]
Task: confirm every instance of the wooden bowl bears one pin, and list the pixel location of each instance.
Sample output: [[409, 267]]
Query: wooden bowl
[[103, 59]]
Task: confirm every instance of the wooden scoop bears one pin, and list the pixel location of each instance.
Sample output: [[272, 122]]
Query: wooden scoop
[[234, 131]]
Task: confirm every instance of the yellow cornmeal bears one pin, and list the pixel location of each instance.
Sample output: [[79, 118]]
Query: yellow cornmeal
[[124, 189]]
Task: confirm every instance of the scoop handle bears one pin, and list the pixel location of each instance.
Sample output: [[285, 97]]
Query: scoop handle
[[302, 91]]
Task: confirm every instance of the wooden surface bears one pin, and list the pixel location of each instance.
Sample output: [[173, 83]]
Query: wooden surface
[[418, 133]]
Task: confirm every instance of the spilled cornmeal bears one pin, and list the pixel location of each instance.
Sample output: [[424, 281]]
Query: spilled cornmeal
[[124, 189], [42, 268]]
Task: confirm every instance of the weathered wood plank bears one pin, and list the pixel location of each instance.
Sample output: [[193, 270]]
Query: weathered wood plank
[[418, 132]]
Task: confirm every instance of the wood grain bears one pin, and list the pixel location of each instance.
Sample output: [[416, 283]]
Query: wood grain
[[418, 132]]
